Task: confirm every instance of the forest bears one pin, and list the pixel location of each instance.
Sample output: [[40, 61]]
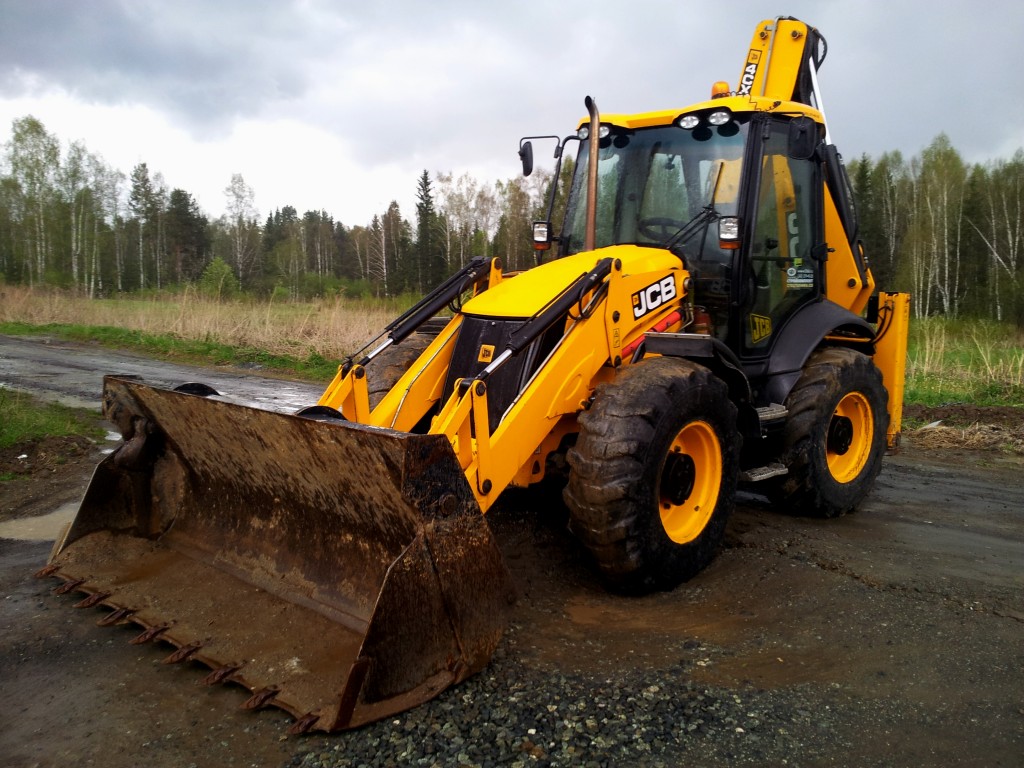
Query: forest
[[949, 232]]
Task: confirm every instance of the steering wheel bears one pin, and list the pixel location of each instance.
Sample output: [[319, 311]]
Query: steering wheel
[[659, 228], [770, 244]]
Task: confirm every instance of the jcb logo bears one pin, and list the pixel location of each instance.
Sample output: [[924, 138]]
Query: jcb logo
[[486, 353], [749, 73], [760, 328], [653, 296]]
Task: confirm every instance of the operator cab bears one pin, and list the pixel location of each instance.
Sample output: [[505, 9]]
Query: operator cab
[[731, 193]]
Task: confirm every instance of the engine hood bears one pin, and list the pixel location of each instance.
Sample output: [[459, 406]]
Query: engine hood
[[525, 294]]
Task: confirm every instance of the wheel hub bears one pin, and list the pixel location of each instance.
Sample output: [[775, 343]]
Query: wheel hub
[[840, 435], [678, 478]]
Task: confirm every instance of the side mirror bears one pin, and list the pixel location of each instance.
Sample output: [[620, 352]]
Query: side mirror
[[803, 138], [526, 156]]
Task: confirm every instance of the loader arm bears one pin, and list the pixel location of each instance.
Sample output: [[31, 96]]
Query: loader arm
[[588, 352]]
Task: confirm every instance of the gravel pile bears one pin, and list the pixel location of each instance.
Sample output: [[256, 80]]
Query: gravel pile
[[510, 715]]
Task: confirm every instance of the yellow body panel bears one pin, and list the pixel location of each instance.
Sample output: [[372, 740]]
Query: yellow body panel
[[526, 293], [844, 284]]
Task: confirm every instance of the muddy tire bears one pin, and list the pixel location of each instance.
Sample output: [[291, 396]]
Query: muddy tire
[[653, 474], [384, 371], [835, 435]]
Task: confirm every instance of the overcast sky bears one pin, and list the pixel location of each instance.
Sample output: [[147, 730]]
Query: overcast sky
[[341, 105]]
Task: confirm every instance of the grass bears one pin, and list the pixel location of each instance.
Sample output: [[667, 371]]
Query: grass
[[24, 418], [960, 361], [949, 361], [307, 339], [313, 366]]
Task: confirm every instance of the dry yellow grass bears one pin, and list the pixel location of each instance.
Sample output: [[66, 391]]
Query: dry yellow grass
[[332, 328], [975, 437]]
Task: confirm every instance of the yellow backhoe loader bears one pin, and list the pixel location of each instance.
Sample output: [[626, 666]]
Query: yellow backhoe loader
[[704, 318]]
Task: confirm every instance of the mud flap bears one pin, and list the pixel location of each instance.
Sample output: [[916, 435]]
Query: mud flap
[[342, 573]]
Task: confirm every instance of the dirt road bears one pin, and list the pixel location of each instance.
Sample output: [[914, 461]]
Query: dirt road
[[895, 635]]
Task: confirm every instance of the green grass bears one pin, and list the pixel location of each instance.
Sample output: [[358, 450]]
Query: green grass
[[949, 361], [960, 361], [24, 418], [202, 351]]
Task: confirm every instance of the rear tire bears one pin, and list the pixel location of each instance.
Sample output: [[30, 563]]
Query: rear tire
[[653, 474], [835, 435]]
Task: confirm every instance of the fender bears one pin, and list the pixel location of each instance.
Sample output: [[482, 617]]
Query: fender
[[800, 336], [722, 361]]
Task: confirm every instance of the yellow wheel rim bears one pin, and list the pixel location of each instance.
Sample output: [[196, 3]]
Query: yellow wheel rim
[[690, 481], [849, 438]]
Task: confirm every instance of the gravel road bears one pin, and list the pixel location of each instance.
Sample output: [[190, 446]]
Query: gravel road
[[891, 637]]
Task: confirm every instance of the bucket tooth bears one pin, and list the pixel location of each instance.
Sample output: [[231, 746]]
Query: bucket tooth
[[221, 674], [68, 586], [115, 617], [150, 634], [304, 724], [184, 653], [261, 698], [92, 600], [47, 571]]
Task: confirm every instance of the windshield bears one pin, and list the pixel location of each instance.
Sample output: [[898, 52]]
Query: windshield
[[652, 181]]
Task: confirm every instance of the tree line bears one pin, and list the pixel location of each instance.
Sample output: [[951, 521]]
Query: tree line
[[948, 231], [69, 220]]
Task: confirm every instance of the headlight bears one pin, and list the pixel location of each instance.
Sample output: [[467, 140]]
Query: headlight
[[720, 117], [602, 132], [689, 122], [729, 232]]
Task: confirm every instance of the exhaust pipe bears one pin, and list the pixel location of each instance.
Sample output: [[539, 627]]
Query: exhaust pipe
[[590, 236]]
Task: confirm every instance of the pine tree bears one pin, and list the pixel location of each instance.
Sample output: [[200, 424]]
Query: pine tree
[[431, 265]]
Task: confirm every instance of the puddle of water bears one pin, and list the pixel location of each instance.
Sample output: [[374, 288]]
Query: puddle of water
[[111, 437], [42, 528]]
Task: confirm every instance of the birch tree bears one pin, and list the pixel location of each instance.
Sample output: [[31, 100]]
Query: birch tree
[[376, 249], [241, 224], [1002, 231], [942, 197], [33, 157]]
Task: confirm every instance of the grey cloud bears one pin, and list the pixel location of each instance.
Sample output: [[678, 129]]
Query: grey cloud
[[896, 76], [202, 66]]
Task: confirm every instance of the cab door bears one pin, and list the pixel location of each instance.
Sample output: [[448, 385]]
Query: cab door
[[784, 225]]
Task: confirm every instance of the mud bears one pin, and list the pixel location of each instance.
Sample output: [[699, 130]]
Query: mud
[[905, 620]]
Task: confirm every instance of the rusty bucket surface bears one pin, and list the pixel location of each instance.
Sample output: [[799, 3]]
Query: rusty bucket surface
[[340, 572]]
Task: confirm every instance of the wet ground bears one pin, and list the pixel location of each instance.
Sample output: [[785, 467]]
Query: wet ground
[[904, 622]]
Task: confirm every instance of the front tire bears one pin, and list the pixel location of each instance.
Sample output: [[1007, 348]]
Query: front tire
[[384, 371], [835, 435], [653, 474]]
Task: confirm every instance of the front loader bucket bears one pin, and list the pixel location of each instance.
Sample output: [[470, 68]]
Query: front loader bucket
[[342, 573]]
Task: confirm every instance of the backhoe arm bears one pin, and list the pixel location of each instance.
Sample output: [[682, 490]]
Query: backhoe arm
[[782, 63]]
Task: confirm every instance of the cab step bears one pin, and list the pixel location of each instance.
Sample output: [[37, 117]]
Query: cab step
[[757, 474], [772, 414]]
